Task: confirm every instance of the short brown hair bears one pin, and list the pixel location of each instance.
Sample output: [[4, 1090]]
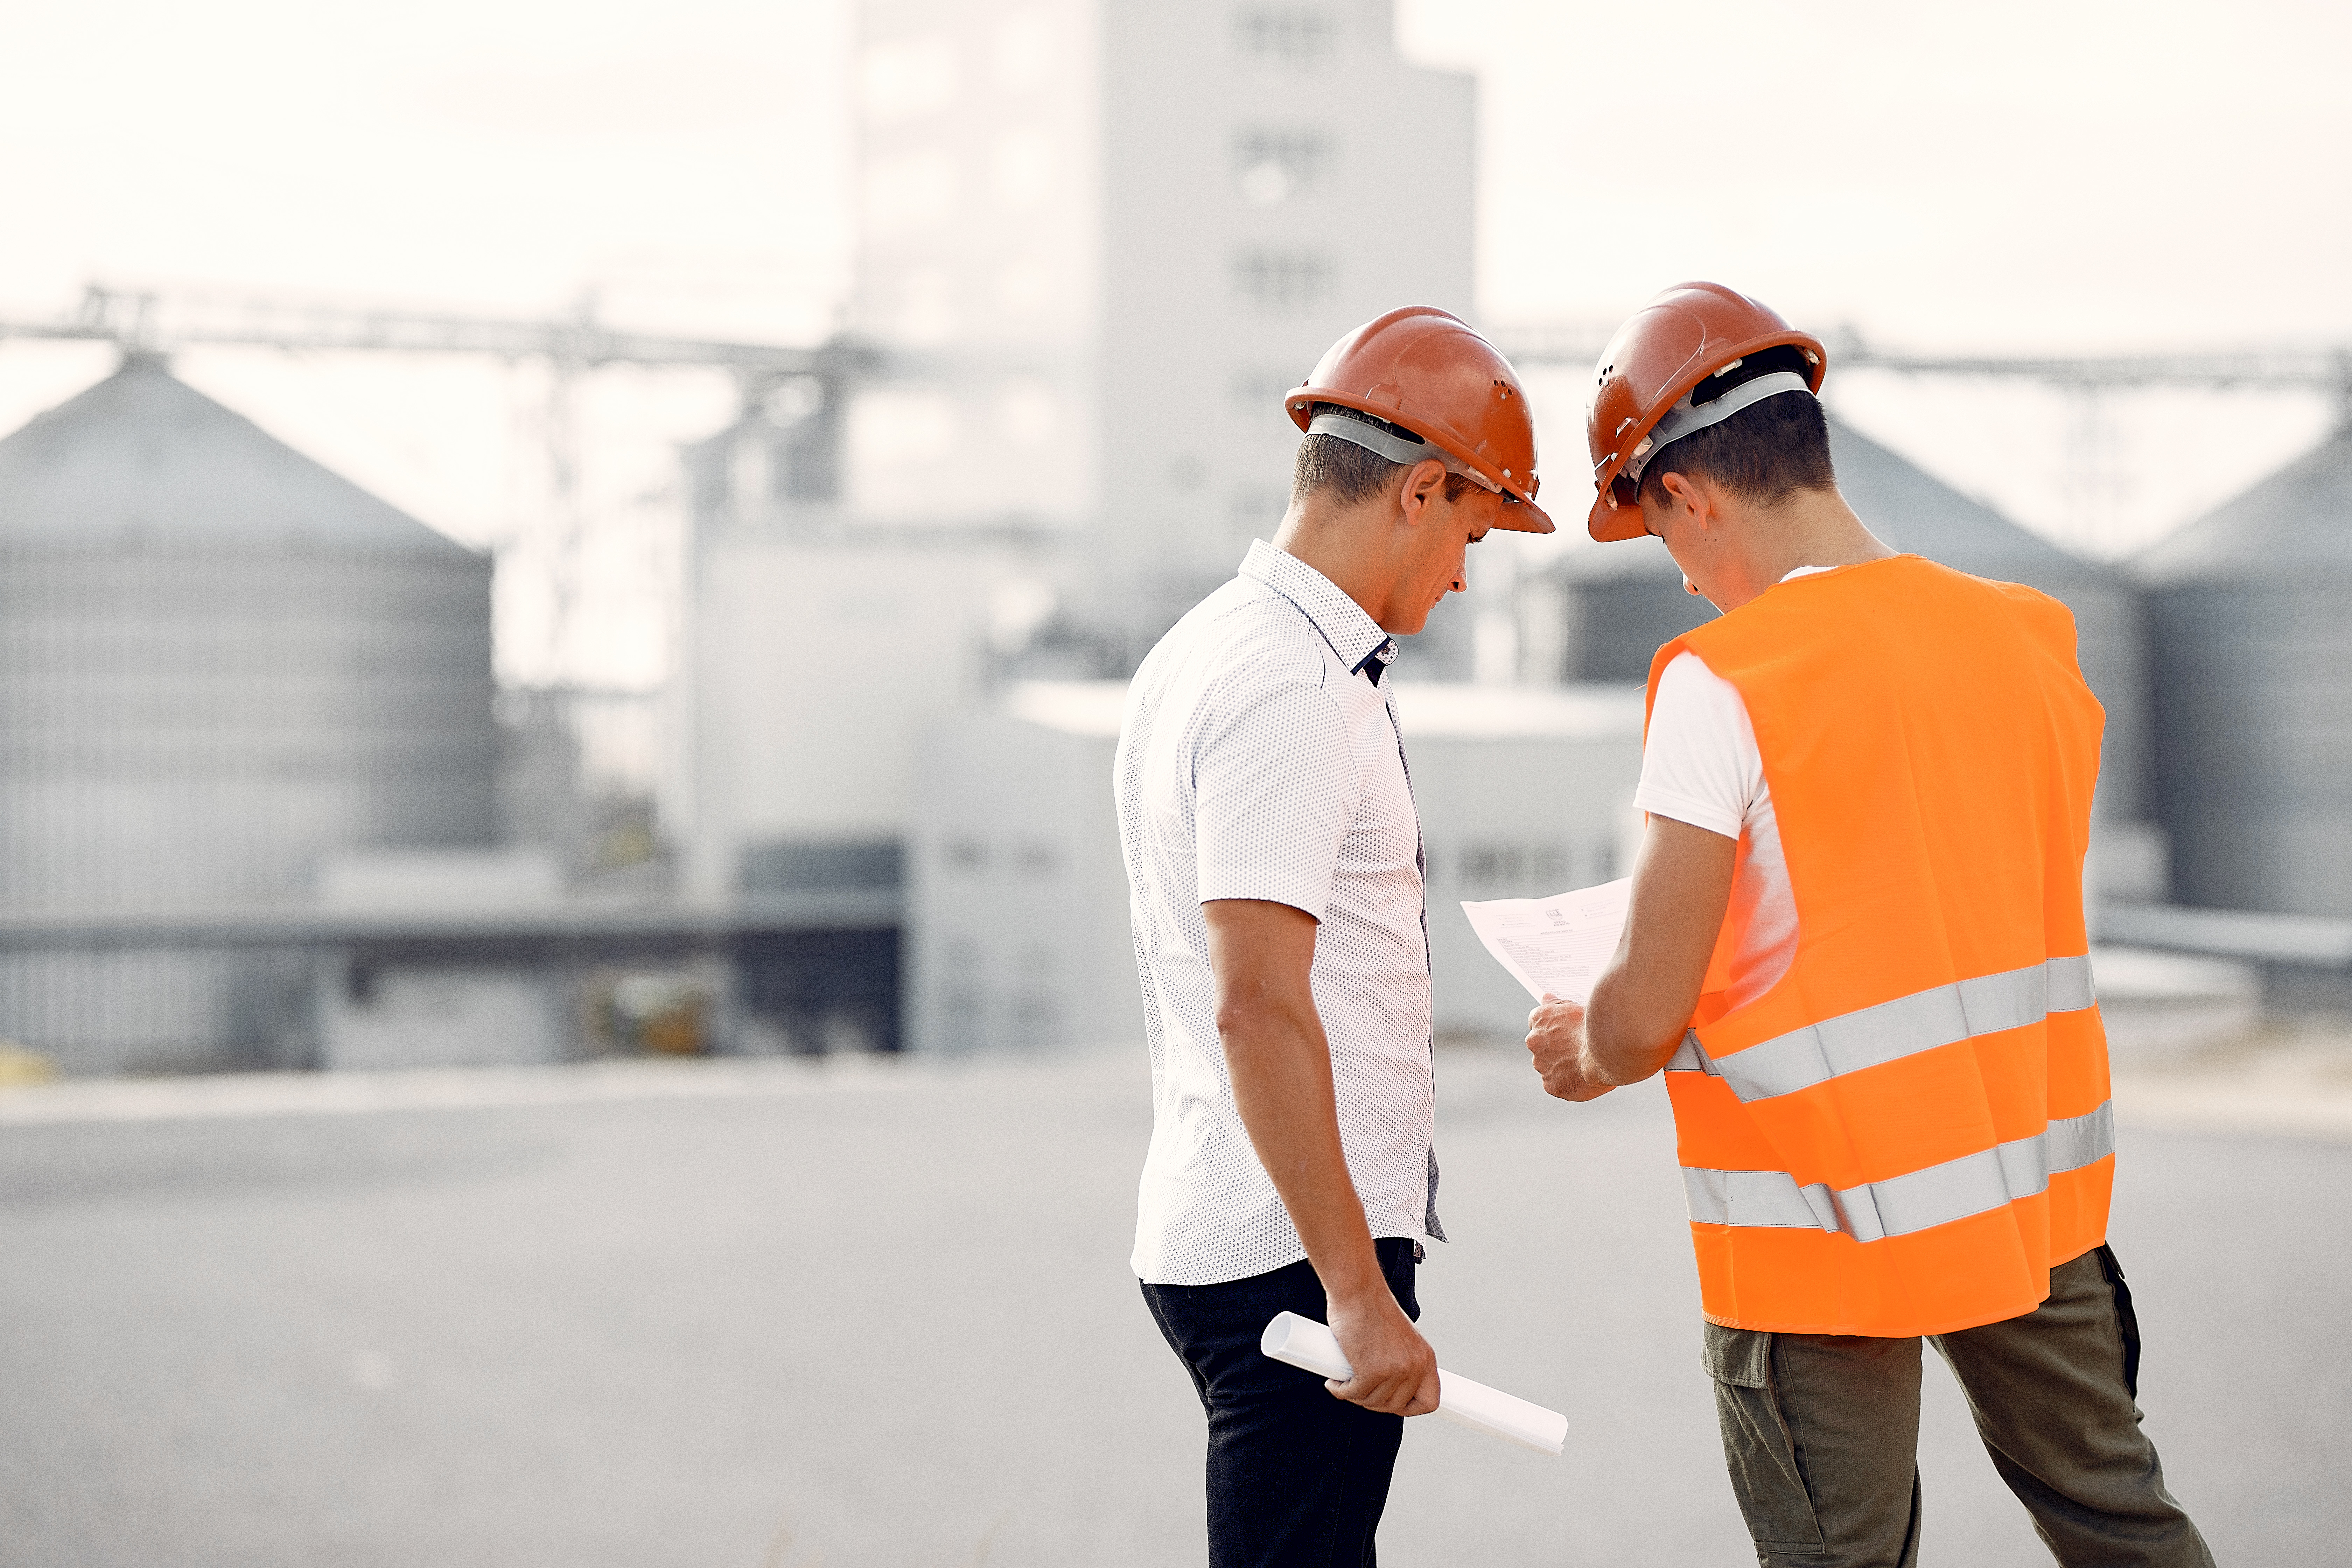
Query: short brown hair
[[1763, 454], [1354, 474]]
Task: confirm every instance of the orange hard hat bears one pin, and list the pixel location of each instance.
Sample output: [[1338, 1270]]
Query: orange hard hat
[[1431, 380], [1689, 332]]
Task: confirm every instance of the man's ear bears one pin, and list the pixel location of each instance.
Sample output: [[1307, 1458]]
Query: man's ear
[[1423, 482], [1685, 496]]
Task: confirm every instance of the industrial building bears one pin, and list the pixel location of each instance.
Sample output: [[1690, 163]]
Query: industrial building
[[1019, 931], [256, 805], [2250, 612], [1114, 233], [223, 662], [250, 776], [1096, 243]]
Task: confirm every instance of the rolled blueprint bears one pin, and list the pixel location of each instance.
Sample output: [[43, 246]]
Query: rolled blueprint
[[1304, 1343]]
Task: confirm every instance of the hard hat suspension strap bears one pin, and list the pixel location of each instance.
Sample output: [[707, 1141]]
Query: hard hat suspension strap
[[1393, 442], [1684, 418]]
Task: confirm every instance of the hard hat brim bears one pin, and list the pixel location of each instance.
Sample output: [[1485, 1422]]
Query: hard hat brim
[[1609, 524], [1518, 515]]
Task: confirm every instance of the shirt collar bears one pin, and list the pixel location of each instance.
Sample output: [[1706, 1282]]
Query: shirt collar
[[1354, 635]]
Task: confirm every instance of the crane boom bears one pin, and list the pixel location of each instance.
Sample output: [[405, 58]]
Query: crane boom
[[2318, 369], [161, 324]]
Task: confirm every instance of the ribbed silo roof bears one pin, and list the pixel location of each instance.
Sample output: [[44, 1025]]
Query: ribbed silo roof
[[145, 460], [1905, 505], [2297, 520]]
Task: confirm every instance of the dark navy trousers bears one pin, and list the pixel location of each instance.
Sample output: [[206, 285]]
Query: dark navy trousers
[[1297, 1478]]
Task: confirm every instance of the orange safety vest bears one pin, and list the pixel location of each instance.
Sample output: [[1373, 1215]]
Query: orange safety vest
[[1912, 1126]]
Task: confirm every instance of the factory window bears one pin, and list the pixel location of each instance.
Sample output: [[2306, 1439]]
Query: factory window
[[1271, 165], [1283, 282], [968, 857], [799, 866], [1285, 39], [1536, 867]]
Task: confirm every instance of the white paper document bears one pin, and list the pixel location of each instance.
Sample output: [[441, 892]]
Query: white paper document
[[1304, 1343], [1559, 944]]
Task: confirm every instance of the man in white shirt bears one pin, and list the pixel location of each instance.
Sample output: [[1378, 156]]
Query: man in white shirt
[[1275, 865]]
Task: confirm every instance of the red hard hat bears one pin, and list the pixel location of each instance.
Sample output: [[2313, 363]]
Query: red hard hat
[[1689, 332], [1431, 374]]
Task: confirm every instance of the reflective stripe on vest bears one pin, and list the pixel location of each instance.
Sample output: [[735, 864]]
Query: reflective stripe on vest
[[1904, 1026], [1920, 1200]]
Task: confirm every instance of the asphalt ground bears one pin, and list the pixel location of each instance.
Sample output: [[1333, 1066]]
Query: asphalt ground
[[871, 1313]]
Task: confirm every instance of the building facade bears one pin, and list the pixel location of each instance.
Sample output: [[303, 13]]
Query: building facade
[[1113, 235]]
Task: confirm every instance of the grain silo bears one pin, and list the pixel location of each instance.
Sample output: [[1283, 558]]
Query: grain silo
[[1624, 600], [2250, 640], [221, 661]]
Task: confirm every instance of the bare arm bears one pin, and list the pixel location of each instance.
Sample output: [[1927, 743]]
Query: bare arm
[[1280, 1063], [1642, 1002]]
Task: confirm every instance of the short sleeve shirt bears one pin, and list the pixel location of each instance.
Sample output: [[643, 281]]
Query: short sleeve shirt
[[1257, 760], [1700, 764]]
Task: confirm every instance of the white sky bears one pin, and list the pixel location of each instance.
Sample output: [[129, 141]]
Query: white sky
[[1997, 176]]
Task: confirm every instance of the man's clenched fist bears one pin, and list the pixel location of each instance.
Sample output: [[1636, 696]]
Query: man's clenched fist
[[1556, 1041]]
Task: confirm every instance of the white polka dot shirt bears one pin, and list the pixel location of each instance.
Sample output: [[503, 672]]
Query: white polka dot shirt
[[1258, 759]]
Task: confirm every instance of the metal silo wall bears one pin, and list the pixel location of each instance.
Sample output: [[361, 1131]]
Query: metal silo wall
[[2253, 741], [2111, 643], [1619, 624], [190, 731]]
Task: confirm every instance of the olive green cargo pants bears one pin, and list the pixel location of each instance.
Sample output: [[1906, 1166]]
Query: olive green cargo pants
[[1821, 1433]]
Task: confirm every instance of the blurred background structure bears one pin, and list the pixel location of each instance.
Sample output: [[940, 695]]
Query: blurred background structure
[[273, 794], [535, 534]]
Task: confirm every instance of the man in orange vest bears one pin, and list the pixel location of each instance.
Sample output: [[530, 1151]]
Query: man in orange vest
[[1856, 948]]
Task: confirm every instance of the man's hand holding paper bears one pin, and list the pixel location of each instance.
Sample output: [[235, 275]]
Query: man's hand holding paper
[[1555, 1040]]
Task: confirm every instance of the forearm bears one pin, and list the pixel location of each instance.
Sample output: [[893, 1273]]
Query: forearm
[[1280, 1065], [1642, 1003], [1628, 1036]]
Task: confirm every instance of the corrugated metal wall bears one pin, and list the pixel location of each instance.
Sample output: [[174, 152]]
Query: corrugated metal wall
[[183, 729], [2251, 614]]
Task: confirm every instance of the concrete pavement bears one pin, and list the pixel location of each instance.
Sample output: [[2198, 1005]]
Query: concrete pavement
[[779, 1315]]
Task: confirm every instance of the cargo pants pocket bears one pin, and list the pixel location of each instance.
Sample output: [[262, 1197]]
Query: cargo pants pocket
[[1758, 1446]]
